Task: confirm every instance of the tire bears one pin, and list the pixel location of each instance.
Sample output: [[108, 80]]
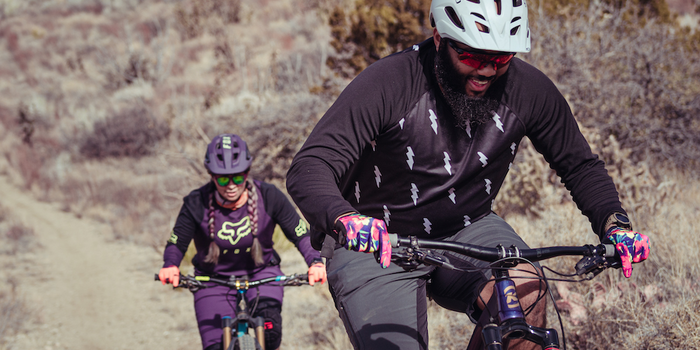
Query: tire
[[246, 342]]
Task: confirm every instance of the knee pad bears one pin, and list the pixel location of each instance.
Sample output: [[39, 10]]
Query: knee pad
[[271, 312]]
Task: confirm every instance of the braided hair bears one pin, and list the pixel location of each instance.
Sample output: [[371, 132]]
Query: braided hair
[[256, 249]]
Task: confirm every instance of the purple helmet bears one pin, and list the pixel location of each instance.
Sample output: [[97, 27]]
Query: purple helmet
[[227, 154]]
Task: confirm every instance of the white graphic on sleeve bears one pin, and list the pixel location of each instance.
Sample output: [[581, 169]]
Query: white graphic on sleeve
[[403, 120], [483, 159], [414, 193], [357, 191], [387, 214], [448, 167], [512, 148], [497, 119], [427, 224], [433, 120], [467, 220], [377, 176], [374, 144], [493, 201], [469, 130], [510, 165], [452, 195], [409, 155], [415, 47], [488, 186]]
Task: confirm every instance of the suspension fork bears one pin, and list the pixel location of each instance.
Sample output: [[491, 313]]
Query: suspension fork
[[507, 319]]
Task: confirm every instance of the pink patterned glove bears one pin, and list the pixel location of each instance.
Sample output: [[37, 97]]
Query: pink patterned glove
[[632, 246], [365, 234]]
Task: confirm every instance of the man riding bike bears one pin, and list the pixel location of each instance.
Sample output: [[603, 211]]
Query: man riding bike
[[420, 144]]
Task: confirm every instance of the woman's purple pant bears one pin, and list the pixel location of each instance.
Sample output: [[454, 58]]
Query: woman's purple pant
[[211, 304]]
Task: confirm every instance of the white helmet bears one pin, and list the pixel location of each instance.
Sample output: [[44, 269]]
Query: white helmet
[[498, 25]]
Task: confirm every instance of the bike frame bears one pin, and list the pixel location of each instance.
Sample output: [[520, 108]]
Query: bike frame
[[506, 319], [243, 321]]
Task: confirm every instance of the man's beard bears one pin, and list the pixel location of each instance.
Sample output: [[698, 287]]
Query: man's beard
[[466, 109]]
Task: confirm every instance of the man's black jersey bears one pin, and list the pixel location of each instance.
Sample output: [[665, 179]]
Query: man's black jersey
[[389, 148]]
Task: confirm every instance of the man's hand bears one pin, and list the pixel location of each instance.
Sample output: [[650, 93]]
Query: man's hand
[[317, 273], [365, 234], [632, 246], [170, 274]]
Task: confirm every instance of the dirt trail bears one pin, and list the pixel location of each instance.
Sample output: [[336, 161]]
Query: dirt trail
[[89, 291]]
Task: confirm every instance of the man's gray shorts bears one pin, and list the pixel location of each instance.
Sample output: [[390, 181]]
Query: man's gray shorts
[[387, 309]]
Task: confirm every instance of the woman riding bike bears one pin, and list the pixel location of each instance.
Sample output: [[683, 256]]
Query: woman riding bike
[[231, 220]]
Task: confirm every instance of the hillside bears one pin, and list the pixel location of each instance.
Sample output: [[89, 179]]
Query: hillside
[[106, 107]]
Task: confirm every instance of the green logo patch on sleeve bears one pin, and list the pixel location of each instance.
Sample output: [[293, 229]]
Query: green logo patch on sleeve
[[301, 228]]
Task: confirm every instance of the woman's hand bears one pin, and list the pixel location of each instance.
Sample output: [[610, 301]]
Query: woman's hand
[[171, 274], [317, 273]]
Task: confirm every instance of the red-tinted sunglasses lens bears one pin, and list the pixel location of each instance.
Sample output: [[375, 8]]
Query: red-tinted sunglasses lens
[[478, 60]]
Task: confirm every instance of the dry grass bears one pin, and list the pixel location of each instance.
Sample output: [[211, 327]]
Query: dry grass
[[15, 240]]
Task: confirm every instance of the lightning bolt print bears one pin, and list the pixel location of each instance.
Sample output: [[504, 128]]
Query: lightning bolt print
[[427, 224], [488, 186], [448, 167], [374, 144], [452, 195], [483, 159], [410, 155], [357, 191], [512, 148], [433, 120], [414, 193], [387, 214], [403, 120], [467, 220], [497, 118], [469, 130], [377, 176]]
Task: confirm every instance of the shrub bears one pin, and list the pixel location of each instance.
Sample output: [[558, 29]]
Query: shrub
[[629, 78], [130, 133], [374, 29], [194, 16]]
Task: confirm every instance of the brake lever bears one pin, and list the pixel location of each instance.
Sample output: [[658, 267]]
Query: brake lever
[[599, 260], [411, 258]]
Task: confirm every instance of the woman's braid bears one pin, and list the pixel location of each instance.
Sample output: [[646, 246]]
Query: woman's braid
[[256, 250], [214, 251]]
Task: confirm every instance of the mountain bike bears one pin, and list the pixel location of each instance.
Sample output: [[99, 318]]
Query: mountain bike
[[506, 316], [236, 330]]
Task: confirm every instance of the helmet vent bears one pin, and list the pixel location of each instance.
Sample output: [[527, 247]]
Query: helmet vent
[[478, 15], [482, 28], [515, 19], [498, 6], [453, 17], [475, 1], [517, 3], [514, 30]]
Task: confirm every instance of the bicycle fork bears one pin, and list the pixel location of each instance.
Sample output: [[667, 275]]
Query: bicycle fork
[[510, 319]]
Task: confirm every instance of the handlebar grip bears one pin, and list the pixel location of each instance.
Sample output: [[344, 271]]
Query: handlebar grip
[[394, 240], [157, 278], [610, 250]]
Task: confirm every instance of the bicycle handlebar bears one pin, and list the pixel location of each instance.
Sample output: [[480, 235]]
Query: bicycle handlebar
[[596, 258], [196, 282]]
